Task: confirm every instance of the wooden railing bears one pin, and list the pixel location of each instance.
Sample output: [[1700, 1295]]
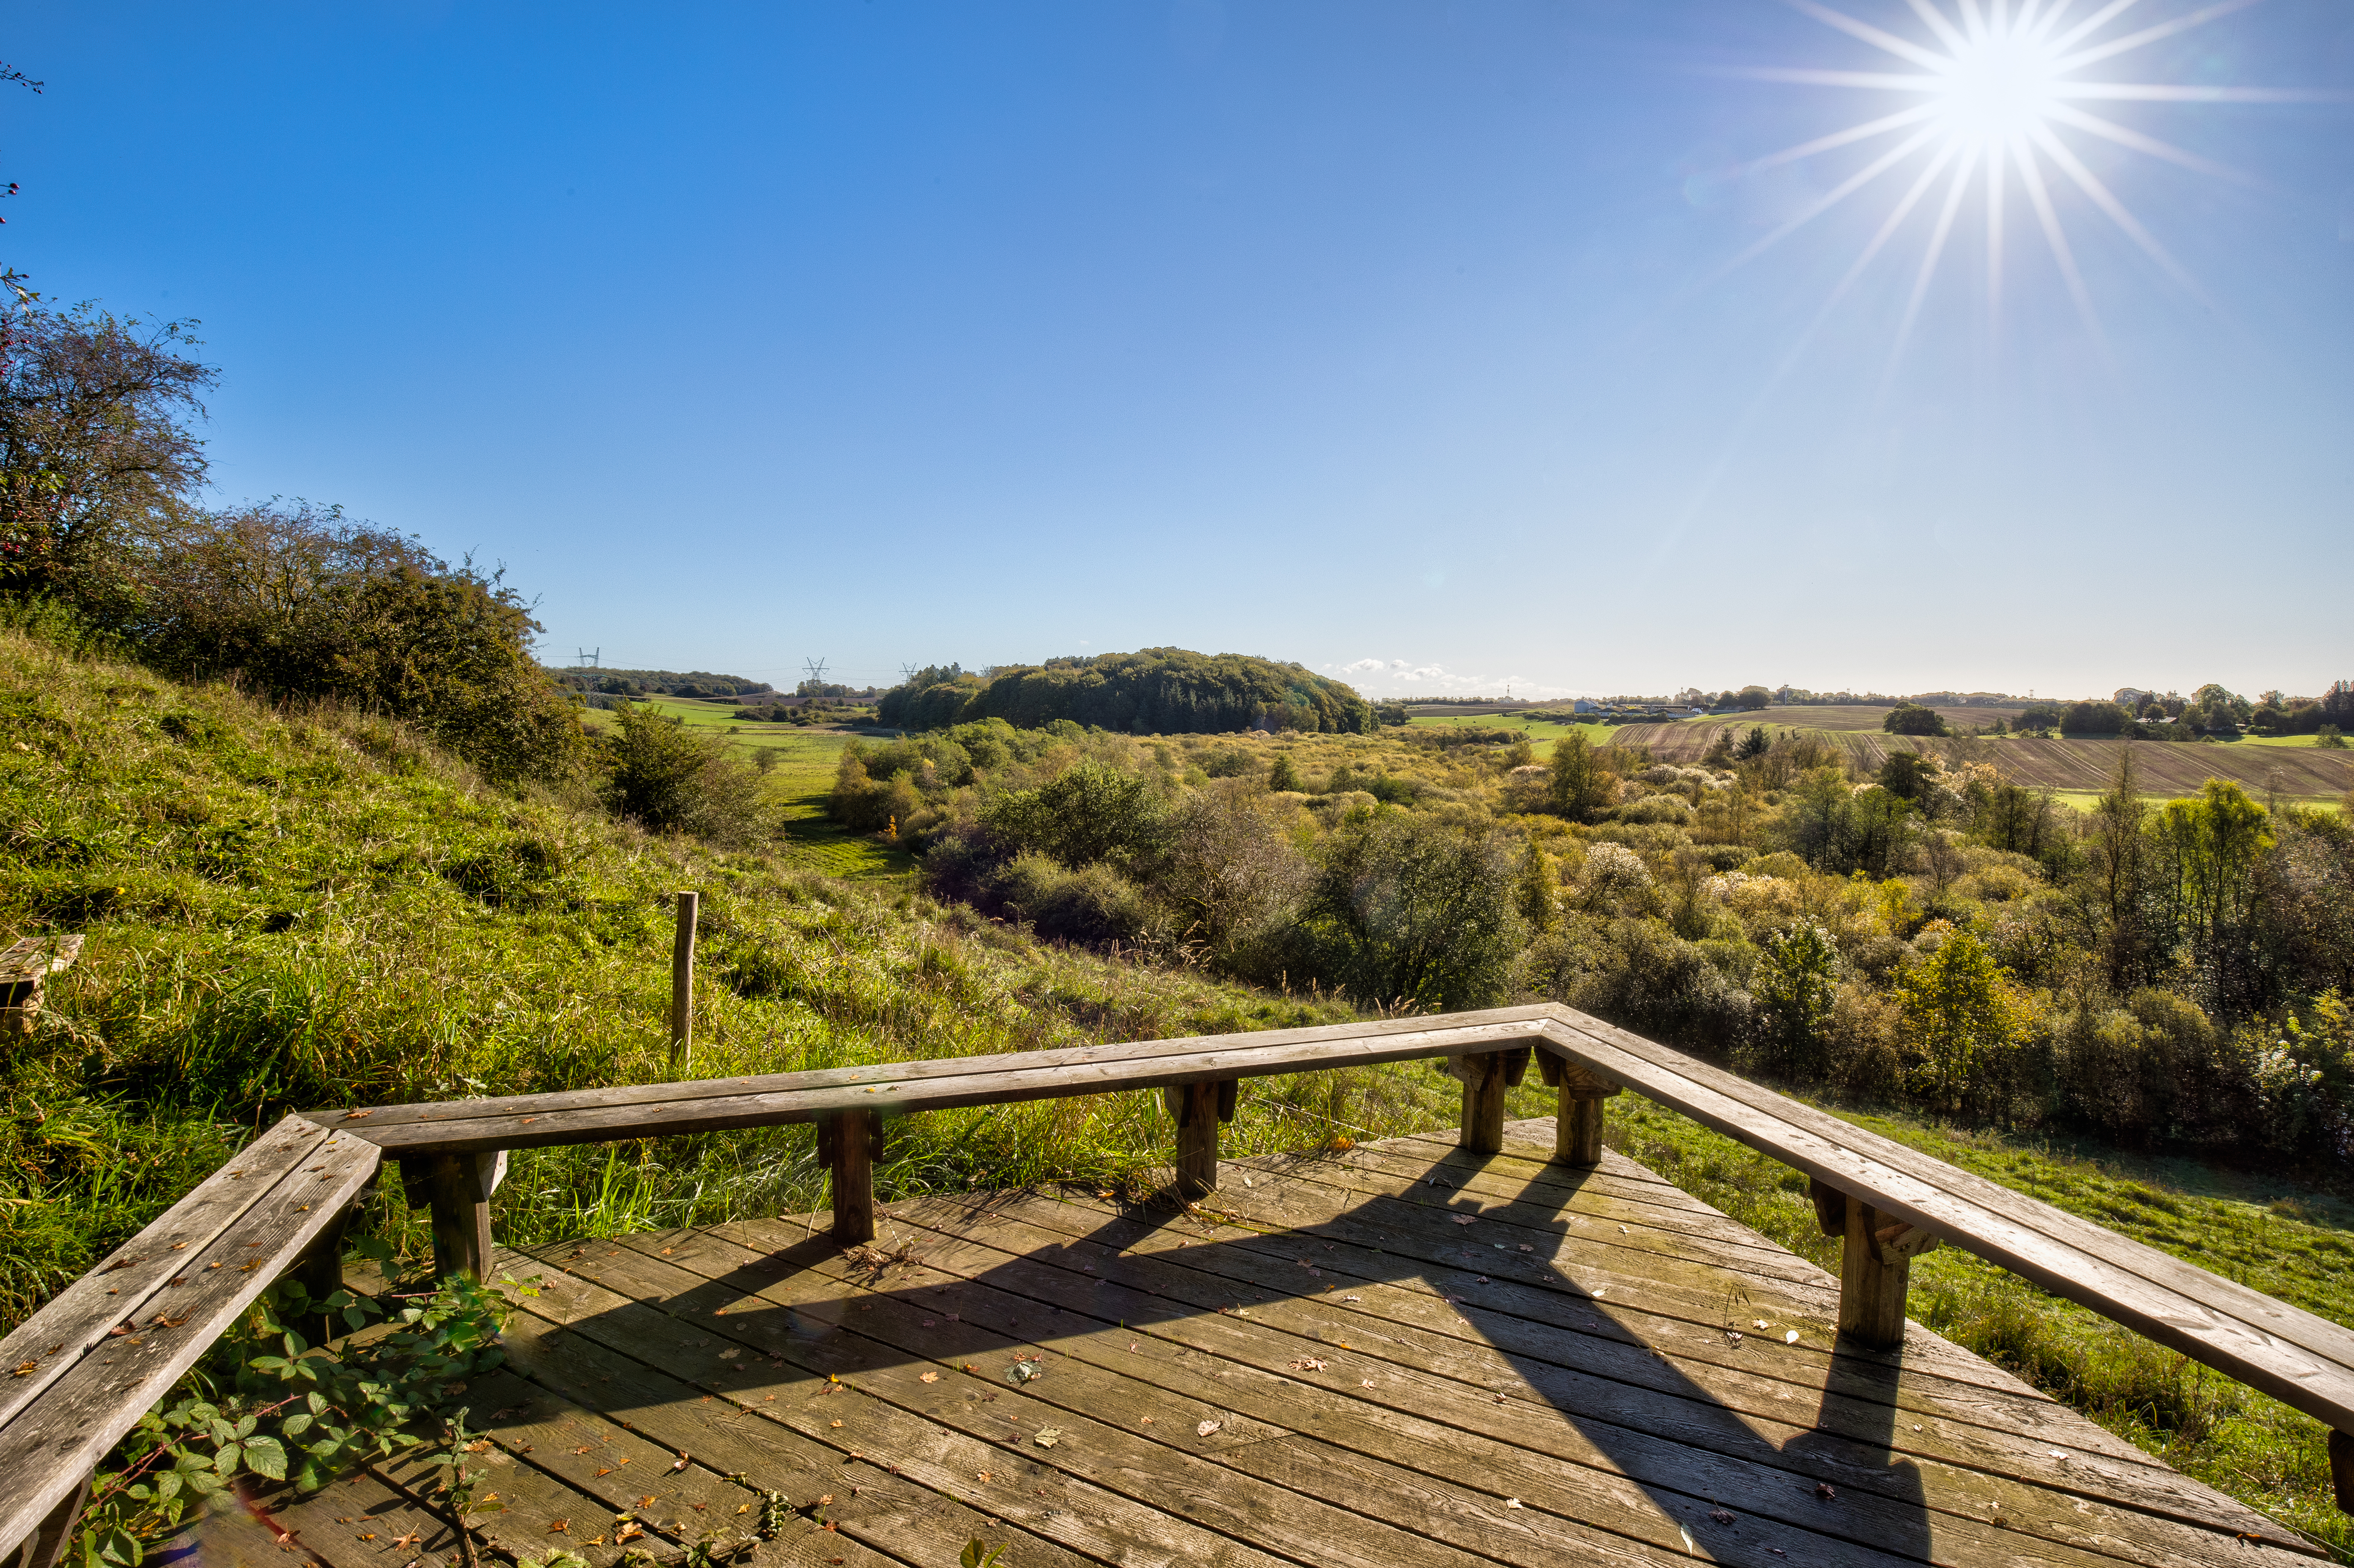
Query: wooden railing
[[86, 1366]]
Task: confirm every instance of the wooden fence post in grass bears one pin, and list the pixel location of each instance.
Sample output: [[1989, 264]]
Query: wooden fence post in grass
[[2341, 1468], [1197, 1109], [23, 968], [1578, 1113], [1485, 1077], [848, 1144], [682, 984], [1875, 1264]]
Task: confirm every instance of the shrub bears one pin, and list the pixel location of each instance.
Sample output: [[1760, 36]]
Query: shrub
[[1641, 976], [1959, 1016], [1794, 987], [1911, 718], [1091, 904], [669, 779], [1410, 910], [1088, 813]]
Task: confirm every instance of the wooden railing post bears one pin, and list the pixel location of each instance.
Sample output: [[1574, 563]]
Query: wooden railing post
[[1198, 1109], [2341, 1468], [1875, 1264], [321, 1270], [1578, 1110], [46, 1547], [849, 1142], [457, 1188], [1485, 1077], [681, 983]]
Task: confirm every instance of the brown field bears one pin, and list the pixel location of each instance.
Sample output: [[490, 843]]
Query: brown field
[[2164, 767]]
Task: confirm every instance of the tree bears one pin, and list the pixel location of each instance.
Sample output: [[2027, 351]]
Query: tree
[[1957, 1011], [1087, 813], [1752, 699], [2209, 850], [669, 779], [1911, 718], [1535, 892], [1794, 987], [1581, 784], [1279, 775], [2092, 718], [1756, 744], [97, 457], [2119, 871], [1410, 910], [1906, 774]]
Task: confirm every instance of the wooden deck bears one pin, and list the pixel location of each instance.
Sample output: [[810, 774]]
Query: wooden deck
[[1401, 1355]]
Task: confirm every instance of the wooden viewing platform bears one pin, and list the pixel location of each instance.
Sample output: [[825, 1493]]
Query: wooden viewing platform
[[1504, 1349], [1401, 1355]]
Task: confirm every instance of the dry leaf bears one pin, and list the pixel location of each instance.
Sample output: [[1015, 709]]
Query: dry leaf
[[410, 1540], [1368, 1383], [836, 1423], [1761, 1323], [1526, 1247], [1308, 1363], [927, 1377], [1823, 1490], [1207, 1427], [1465, 1219], [1789, 1339], [560, 1526], [582, 1450], [1722, 1516], [1048, 1437], [1512, 1503], [822, 1501]]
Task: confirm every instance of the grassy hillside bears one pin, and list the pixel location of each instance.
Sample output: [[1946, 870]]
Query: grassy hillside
[[291, 908]]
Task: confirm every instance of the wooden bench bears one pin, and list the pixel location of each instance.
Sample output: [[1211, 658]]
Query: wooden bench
[[87, 1365], [84, 1368]]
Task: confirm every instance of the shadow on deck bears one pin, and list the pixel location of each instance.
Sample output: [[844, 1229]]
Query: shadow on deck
[[1401, 1355]]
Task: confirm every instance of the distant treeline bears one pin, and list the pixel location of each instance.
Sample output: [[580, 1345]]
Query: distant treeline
[[661, 682], [1154, 691]]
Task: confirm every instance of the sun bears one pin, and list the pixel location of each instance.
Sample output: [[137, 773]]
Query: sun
[[1990, 106]]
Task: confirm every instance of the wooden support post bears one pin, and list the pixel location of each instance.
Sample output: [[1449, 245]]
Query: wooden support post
[[1197, 1109], [681, 983], [457, 1188], [22, 967], [1875, 1264], [46, 1547], [1485, 1079], [849, 1142], [1578, 1110], [321, 1270], [2341, 1469]]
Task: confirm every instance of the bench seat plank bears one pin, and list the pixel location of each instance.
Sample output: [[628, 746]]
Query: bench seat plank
[[59, 1438], [2288, 1353], [524, 1121]]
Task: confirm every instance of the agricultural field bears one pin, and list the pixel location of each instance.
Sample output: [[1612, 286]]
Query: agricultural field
[[2083, 764], [1542, 732]]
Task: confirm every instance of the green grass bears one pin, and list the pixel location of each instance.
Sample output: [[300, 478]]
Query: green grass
[[2292, 1244], [1541, 732]]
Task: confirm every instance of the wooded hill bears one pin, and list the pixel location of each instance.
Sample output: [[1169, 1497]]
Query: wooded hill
[[1153, 691]]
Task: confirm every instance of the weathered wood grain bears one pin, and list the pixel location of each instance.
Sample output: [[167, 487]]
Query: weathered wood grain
[[2301, 1360], [52, 1442], [526, 1122], [1976, 1462]]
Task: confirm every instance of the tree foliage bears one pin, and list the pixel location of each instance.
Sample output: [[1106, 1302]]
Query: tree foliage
[[1154, 691]]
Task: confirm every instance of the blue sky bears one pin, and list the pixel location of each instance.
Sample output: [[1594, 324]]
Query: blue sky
[[1396, 339]]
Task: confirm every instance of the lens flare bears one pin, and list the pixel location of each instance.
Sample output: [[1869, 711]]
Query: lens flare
[[1988, 109]]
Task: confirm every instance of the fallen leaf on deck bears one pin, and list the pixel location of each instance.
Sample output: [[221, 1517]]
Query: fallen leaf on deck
[[1526, 1247], [1465, 1219], [927, 1377], [1308, 1363], [1721, 1515], [834, 1423], [1483, 1279], [1823, 1490], [1791, 1338], [1207, 1427], [558, 1526], [1367, 1382], [1761, 1323], [409, 1540], [1048, 1437], [1353, 1298], [825, 1500], [1601, 1293], [582, 1450], [680, 1463], [1512, 1502], [928, 1323]]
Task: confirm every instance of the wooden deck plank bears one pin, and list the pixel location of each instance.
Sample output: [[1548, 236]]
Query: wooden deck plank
[[1955, 1426], [1099, 1444], [1095, 1517], [1970, 1463], [868, 1503]]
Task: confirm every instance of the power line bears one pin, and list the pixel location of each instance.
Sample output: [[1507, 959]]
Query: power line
[[816, 668]]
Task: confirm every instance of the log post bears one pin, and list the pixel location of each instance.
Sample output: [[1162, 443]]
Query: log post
[[457, 1188], [1578, 1110], [1198, 1109], [849, 1142], [1875, 1264], [1485, 1076], [2341, 1469], [681, 983]]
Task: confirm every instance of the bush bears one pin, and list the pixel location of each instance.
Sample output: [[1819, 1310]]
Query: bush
[[1410, 910], [1911, 718], [668, 778], [1640, 975], [1088, 813], [1092, 905], [1795, 986]]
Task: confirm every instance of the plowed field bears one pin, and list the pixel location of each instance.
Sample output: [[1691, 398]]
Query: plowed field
[[2164, 767]]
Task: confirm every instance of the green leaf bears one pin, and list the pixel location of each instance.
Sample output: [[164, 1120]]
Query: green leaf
[[119, 1546], [229, 1457], [266, 1457]]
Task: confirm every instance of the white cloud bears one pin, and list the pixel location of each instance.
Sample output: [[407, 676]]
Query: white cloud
[[1398, 677]]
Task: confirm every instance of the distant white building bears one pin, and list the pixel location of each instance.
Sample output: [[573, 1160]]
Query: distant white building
[[1585, 705]]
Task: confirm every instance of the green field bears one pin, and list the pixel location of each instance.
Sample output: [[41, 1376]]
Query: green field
[[801, 761], [1542, 732]]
